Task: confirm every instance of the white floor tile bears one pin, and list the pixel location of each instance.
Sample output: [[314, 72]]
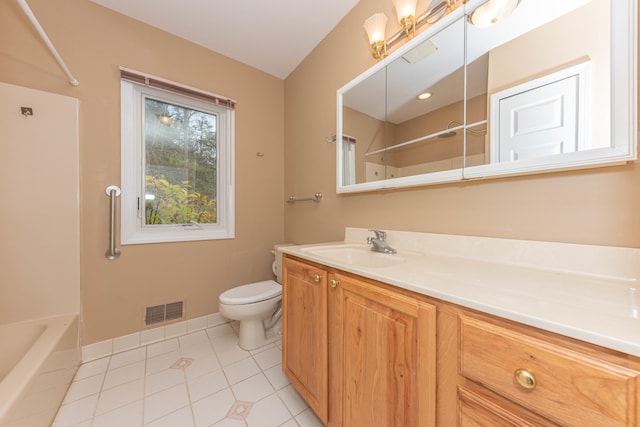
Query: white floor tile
[[215, 319], [229, 422], [126, 416], [123, 375], [261, 349], [165, 402], [142, 385], [253, 389], [194, 338], [293, 401], [196, 350], [92, 368], [241, 370], [220, 330], [75, 412], [181, 417], [309, 419], [85, 387], [160, 363], [268, 358], [163, 380], [162, 347], [206, 385], [229, 353], [202, 366], [276, 377], [127, 358], [120, 396], [212, 408], [268, 412]]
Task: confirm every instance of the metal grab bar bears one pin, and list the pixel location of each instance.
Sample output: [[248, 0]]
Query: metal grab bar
[[112, 253]]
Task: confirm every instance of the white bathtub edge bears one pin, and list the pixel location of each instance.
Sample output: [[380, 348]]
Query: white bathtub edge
[[17, 384]]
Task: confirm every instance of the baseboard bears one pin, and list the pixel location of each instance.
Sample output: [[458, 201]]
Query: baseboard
[[148, 336]]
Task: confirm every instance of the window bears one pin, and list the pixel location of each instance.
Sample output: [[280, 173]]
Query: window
[[177, 162]]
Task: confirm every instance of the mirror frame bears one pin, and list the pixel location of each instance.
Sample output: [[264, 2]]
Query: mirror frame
[[623, 148]]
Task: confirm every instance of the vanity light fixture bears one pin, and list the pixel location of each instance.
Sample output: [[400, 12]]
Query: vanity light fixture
[[375, 27], [406, 9], [492, 12]]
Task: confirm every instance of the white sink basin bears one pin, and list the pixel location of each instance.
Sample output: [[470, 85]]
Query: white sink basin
[[355, 255]]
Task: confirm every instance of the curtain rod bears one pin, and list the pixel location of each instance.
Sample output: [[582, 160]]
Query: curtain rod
[[27, 10]]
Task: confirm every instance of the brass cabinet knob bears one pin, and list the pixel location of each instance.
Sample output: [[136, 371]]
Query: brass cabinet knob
[[334, 283], [525, 379], [317, 277]]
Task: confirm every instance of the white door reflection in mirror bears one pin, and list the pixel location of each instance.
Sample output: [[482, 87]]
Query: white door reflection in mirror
[[543, 117]]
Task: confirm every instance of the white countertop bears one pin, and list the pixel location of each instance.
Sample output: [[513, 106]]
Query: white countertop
[[581, 291]]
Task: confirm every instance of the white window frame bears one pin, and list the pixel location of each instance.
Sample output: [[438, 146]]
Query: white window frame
[[133, 230]]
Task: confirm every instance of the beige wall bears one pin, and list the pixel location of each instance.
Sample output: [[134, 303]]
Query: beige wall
[[595, 206], [94, 42]]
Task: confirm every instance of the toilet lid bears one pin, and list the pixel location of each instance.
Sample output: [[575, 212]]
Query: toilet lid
[[254, 292]]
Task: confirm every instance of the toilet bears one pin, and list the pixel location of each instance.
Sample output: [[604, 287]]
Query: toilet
[[258, 308]]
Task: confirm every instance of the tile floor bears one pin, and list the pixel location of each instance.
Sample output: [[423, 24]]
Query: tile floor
[[197, 380]]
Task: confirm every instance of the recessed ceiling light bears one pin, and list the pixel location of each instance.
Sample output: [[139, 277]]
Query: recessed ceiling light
[[424, 95]]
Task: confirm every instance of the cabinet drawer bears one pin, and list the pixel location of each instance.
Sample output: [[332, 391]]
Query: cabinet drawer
[[479, 410], [568, 387]]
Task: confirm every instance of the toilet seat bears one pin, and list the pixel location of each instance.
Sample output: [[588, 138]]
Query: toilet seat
[[251, 293]]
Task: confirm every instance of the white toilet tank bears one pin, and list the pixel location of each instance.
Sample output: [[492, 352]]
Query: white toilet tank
[[277, 264]]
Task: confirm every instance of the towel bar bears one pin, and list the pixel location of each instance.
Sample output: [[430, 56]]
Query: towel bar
[[316, 198]]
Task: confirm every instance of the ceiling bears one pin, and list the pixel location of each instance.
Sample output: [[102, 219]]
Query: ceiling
[[272, 36]]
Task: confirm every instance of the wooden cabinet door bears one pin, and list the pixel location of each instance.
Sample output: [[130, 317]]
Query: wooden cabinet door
[[304, 333], [382, 356]]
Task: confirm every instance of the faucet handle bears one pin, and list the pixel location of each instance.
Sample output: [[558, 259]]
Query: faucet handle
[[380, 235]]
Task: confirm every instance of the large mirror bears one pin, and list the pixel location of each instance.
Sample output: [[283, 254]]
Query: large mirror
[[549, 86]]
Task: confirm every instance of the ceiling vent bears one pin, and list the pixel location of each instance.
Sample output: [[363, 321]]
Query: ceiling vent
[[163, 313], [420, 52]]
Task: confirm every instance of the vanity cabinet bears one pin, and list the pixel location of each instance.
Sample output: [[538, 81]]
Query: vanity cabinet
[[304, 332], [365, 353], [566, 384]]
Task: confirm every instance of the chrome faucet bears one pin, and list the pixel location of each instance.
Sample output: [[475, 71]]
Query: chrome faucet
[[379, 243]]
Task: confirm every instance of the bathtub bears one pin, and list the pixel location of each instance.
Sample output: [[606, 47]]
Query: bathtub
[[38, 360]]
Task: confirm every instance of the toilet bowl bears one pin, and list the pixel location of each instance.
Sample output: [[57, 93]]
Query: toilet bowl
[[257, 307]]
